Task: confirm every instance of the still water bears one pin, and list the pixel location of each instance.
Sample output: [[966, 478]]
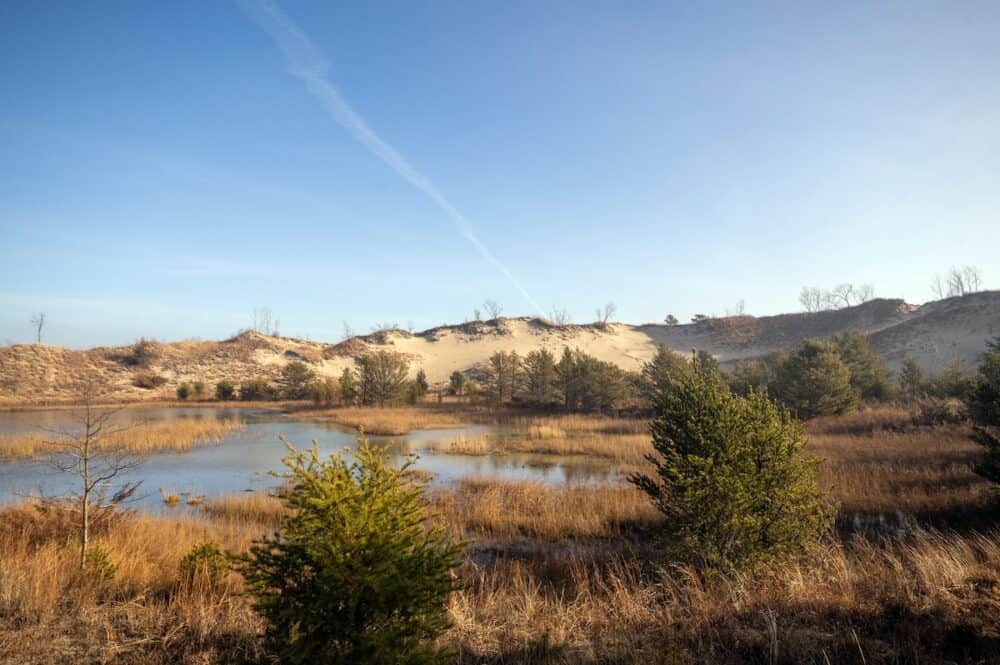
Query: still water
[[242, 461]]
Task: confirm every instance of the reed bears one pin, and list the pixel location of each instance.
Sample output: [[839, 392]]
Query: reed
[[178, 435]]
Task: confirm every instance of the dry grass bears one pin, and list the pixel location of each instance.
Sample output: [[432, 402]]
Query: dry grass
[[568, 574], [176, 435], [393, 421], [477, 509]]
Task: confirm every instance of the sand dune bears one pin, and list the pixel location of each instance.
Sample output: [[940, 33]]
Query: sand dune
[[932, 334]]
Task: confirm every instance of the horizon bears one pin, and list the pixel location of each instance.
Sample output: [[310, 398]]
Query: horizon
[[168, 169]]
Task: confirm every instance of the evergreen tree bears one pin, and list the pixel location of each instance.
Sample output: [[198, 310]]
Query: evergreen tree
[[296, 379], [732, 477], [911, 382], [540, 376], [660, 373], [382, 377], [347, 387], [814, 381], [457, 381], [421, 381], [355, 574], [984, 407], [869, 375]]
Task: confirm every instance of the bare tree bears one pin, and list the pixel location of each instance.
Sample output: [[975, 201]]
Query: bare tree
[[493, 309], [938, 287], [559, 316], [864, 293], [38, 322], [476, 316], [410, 325], [840, 296], [348, 331], [973, 278], [605, 313], [739, 309], [91, 451], [385, 326], [262, 317], [812, 299]]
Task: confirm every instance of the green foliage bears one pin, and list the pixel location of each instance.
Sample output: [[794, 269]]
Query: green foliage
[[183, 391], [540, 377], [589, 384], [503, 376], [323, 391], [732, 477], [984, 407], [421, 383], [814, 381], [954, 380], [204, 564], [357, 574], [296, 379], [347, 387], [382, 377], [661, 373], [255, 390], [457, 382], [224, 390], [99, 569], [869, 375], [198, 389], [911, 382]]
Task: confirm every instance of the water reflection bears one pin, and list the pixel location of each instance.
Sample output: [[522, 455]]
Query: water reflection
[[242, 461]]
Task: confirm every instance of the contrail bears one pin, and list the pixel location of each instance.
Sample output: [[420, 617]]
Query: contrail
[[307, 63]]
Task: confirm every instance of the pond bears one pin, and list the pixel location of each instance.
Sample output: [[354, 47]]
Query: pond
[[243, 460]]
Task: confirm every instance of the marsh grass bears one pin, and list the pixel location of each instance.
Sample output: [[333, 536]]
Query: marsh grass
[[178, 435]]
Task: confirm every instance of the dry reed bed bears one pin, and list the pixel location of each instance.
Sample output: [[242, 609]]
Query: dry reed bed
[[176, 435], [932, 594]]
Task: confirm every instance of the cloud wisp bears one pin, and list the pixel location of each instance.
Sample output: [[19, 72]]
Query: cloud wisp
[[309, 65]]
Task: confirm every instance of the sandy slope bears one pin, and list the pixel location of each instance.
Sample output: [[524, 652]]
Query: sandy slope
[[932, 334]]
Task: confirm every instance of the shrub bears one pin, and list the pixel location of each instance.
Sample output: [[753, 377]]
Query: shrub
[[255, 390], [183, 391], [732, 478], [198, 389], [911, 381], [347, 387], [142, 353], [204, 564], [422, 385], [224, 390], [323, 391], [356, 574], [99, 568], [984, 407], [457, 382], [814, 381], [148, 380], [954, 380]]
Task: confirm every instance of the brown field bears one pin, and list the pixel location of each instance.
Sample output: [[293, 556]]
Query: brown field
[[571, 574], [143, 439]]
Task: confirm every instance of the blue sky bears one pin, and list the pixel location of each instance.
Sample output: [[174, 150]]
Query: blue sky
[[167, 167]]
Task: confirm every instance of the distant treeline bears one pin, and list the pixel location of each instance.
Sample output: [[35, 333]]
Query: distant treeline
[[818, 377]]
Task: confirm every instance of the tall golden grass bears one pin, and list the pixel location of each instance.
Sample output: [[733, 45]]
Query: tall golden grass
[[177, 435]]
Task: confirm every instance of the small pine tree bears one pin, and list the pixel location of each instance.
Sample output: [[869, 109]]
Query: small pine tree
[[911, 382], [183, 391], [347, 387], [296, 380], [356, 574], [421, 382], [814, 381], [457, 381], [984, 407], [732, 477], [660, 373]]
